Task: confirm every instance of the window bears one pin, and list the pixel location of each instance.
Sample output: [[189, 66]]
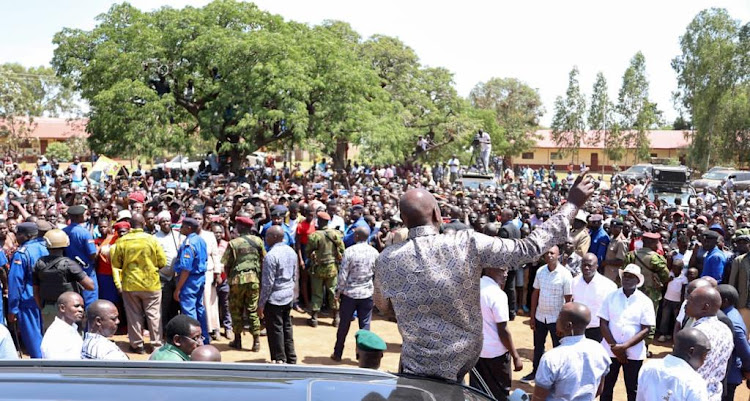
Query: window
[[654, 155], [527, 155], [556, 155]]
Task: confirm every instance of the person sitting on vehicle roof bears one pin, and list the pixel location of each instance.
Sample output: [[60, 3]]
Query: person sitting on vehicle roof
[[182, 338]]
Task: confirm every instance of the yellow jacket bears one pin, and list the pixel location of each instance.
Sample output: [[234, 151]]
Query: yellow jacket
[[139, 256]]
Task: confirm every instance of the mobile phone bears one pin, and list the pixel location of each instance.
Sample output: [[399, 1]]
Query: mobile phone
[[623, 212], [123, 194], [194, 191]]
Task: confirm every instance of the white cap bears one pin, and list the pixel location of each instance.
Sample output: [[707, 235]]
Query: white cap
[[124, 214]]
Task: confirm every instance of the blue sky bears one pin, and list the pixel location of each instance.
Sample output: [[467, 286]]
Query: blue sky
[[535, 41]]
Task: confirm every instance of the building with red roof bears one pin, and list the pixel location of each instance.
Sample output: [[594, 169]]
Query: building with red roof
[[664, 145], [31, 139]]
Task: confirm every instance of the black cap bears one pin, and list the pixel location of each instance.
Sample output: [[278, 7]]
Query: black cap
[[27, 228]]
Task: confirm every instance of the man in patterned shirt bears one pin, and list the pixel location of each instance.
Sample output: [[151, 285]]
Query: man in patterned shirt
[[431, 281], [102, 319], [703, 305], [354, 288]]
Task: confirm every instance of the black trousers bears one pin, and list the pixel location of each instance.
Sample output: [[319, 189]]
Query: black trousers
[[510, 291], [496, 374], [279, 329], [729, 391], [540, 337], [630, 370], [594, 333], [169, 307]]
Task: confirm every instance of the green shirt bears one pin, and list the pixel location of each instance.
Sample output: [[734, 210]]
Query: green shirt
[[169, 352]]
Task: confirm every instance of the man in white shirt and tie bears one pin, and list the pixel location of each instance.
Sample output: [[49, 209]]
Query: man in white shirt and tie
[[61, 340], [590, 288]]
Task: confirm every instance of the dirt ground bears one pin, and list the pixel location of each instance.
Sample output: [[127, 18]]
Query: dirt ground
[[315, 345]]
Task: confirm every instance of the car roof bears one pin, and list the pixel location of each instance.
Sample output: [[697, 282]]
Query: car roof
[[35, 379]]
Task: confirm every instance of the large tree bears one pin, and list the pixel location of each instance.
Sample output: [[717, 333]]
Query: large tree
[[227, 72], [714, 87], [601, 120], [26, 93], [517, 108], [637, 114], [569, 121]]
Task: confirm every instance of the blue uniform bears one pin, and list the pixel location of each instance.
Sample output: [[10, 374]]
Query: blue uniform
[[288, 234], [192, 257], [714, 263], [21, 294], [82, 246], [3, 263], [349, 232], [599, 244]]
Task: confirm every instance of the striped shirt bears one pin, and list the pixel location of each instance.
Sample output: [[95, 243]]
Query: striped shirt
[[278, 275], [96, 346]]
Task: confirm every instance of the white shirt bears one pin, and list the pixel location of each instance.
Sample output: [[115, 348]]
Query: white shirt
[[626, 315], [592, 294], [61, 341], [485, 142], [454, 164], [494, 304], [573, 370], [670, 379], [337, 222], [170, 243], [714, 368], [674, 288], [213, 264], [553, 286], [7, 348]]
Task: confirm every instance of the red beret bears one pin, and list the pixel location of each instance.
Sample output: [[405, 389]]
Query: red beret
[[137, 196], [122, 225], [357, 200], [245, 220]]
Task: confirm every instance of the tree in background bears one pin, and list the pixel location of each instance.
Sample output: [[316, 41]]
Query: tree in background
[[59, 151], [714, 87], [569, 121], [26, 93], [517, 108], [636, 113], [601, 120]]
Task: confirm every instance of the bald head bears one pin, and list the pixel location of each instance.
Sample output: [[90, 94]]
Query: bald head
[[274, 235], [691, 345], [99, 308], [698, 283], [419, 208], [703, 301], [506, 215], [137, 221], [361, 233], [205, 353], [492, 229], [574, 317]]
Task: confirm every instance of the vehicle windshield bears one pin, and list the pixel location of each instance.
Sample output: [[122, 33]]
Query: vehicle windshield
[[637, 169], [474, 183], [717, 175], [670, 194]]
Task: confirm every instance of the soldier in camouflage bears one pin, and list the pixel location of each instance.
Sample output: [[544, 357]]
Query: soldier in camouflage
[[325, 248], [242, 263]]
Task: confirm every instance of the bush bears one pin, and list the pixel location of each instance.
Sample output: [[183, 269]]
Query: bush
[[59, 151]]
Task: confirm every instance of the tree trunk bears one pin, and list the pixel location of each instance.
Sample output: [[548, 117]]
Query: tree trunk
[[339, 158]]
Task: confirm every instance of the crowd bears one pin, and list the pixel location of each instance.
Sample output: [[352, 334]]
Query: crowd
[[185, 257]]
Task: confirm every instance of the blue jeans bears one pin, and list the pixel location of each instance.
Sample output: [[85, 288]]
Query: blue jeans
[[348, 306]]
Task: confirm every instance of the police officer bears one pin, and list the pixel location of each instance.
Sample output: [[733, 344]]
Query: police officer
[[55, 274], [599, 238], [242, 263], [21, 305], [325, 248], [82, 248], [190, 268]]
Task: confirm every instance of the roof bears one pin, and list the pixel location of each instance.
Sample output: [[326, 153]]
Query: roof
[[660, 139], [54, 128]]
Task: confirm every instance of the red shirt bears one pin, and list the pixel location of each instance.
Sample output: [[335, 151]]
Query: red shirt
[[304, 229]]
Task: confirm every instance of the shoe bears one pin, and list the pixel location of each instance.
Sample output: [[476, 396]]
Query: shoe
[[335, 358], [256, 343], [229, 333], [528, 378], [263, 333], [237, 342], [313, 320], [214, 335], [138, 350], [662, 338], [526, 309], [336, 319], [298, 309]]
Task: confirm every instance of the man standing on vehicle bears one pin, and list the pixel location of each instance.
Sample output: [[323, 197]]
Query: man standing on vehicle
[[454, 165], [242, 263], [325, 248], [433, 279], [485, 147]]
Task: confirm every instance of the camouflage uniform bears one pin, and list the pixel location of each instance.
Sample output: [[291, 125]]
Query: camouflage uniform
[[242, 261], [324, 250]]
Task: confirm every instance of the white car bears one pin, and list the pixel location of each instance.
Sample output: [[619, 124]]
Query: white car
[[180, 163]]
